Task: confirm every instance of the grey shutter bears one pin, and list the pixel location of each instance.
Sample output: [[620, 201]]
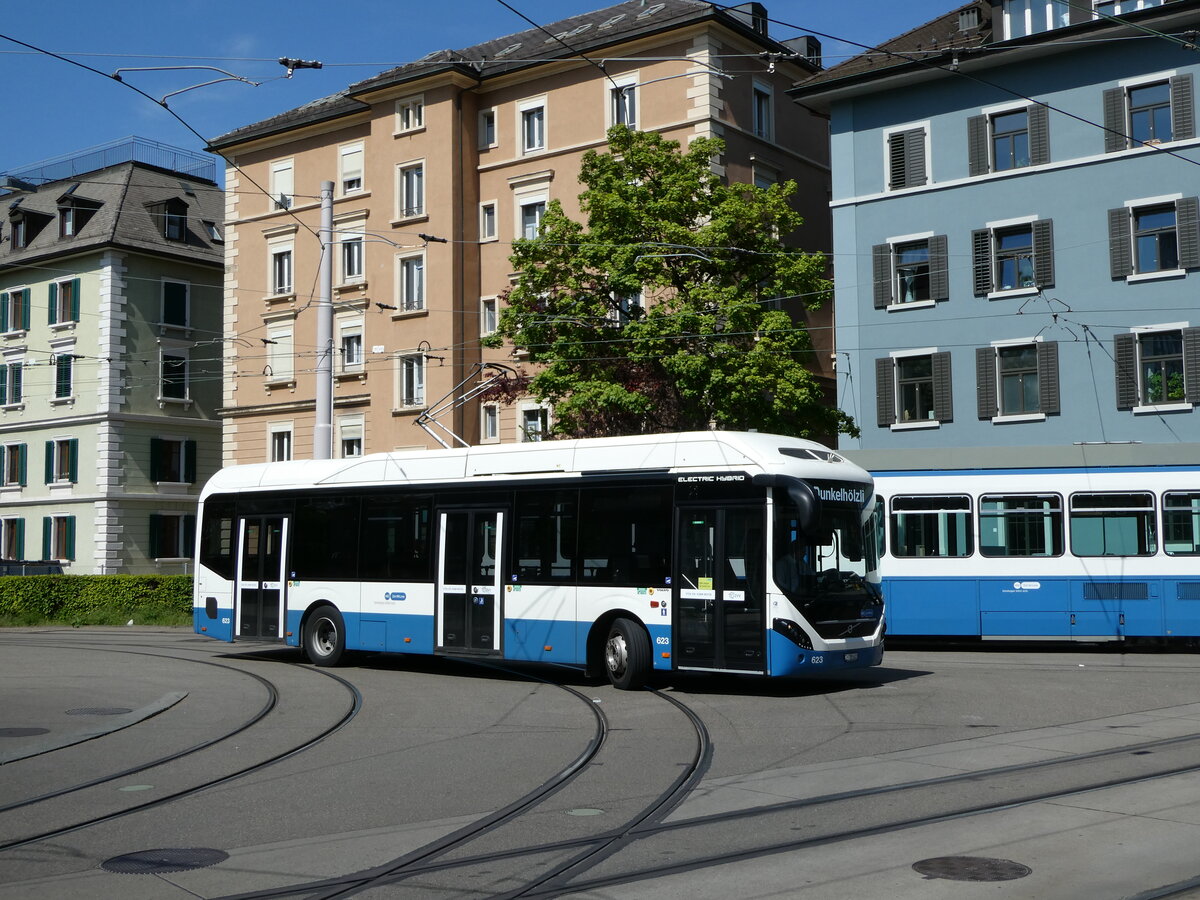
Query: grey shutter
[[156, 453], [885, 391], [981, 252], [1120, 253], [1191, 365], [1183, 110], [1125, 354], [1047, 369], [977, 148], [914, 157], [1114, 120], [1039, 135], [939, 268], [881, 259], [943, 395], [985, 381], [1043, 253], [896, 169], [1187, 227]]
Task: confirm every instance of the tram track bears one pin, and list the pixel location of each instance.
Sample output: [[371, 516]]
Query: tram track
[[258, 716]]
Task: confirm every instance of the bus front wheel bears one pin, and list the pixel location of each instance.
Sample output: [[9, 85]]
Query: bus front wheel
[[627, 655], [325, 636]]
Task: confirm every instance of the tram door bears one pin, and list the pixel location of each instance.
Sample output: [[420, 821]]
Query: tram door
[[469, 587], [720, 620], [261, 577]]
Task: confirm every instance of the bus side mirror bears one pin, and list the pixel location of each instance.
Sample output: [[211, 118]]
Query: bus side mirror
[[808, 505]]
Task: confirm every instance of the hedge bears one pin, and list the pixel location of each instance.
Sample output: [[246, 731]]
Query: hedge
[[73, 596]]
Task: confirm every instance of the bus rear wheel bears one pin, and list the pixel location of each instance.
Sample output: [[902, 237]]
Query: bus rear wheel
[[325, 636], [627, 655]]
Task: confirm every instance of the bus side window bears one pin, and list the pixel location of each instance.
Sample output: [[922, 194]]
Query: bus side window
[[217, 539], [396, 539]]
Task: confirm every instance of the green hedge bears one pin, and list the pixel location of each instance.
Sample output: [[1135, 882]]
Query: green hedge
[[68, 597]]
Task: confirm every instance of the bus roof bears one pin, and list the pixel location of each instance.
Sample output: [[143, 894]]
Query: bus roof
[[687, 451]]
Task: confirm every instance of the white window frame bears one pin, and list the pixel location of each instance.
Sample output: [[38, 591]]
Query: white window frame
[[410, 381], [12, 459], [411, 296], [1133, 206], [283, 184], [1140, 331], [542, 411], [64, 350], [406, 208], [350, 429], [525, 111], [348, 330], [762, 129], [281, 351], [410, 114], [351, 172], [1040, 12], [15, 324], [62, 307], [275, 249], [58, 549], [282, 435], [1124, 7], [14, 380], [524, 204], [486, 115], [1008, 343], [910, 424], [489, 423], [11, 528], [484, 233], [615, 90], [489, 315]]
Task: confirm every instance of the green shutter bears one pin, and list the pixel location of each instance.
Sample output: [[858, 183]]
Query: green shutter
[[155, 536], [4, 300], [3, 384], [189, 462], [19, 538], [49, 463], [3, 470], [23, 465], [18, 381], [25, 310], [156, 445], [70, 548], [75, 287], [53, 305], [47, 535], [73, 461]]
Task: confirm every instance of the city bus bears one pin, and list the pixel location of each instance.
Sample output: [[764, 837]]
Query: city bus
[[711, 551], [1055, 554]]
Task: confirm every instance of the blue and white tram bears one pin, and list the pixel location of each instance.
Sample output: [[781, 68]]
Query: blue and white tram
[[709, 551], [1052, 554]]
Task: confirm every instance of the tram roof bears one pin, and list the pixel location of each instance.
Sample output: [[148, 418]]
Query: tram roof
[[681, 452]]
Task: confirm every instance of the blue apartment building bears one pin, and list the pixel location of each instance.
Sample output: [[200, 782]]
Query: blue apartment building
[[1016, 244]]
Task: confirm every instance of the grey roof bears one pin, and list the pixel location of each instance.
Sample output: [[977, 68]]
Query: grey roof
[[586, 34], [124, 197]]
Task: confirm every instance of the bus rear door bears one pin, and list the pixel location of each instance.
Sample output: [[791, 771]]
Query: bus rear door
[[469, 590], [261, 577], [719, 589]]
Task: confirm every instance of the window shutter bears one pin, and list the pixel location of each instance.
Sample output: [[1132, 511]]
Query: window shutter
[[3, 472], [156, 446], [4, 311], [189, 535], [19, 538], [1114, 120], [896, 168], [73, 460], [53, 317], [1120, 254], [47, 535], [3, 384], [985, 381], [914, 157], [943, 399], [885, 391], [18, 381], [977, 148], [939, 268], [69, 550], [23, 465], [1039, 135], [1125, 354], [1043, 253], [1187, 226], [189, 462], [155, 536], [49, 462], [1183, 110], [1047, 367], [25, 309], [981, 253], [1191, 365], [74, 299], [881, 256]]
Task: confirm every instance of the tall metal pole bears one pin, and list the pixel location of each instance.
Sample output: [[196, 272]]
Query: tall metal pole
[[323, 429]]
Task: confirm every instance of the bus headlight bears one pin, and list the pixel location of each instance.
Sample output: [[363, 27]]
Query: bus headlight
[[792, 632]]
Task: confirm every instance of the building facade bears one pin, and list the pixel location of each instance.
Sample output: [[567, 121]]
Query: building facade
[[437, 166], [110, 348], [1016, 237]]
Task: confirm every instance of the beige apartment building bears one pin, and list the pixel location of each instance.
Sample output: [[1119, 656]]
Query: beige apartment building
[[438, 165]]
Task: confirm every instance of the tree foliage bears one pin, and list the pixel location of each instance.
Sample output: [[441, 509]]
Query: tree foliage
[[705, 345]]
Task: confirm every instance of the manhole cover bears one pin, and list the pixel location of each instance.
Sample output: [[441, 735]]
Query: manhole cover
[[971, 868], [22, 732], [99, 711], [160, 862]]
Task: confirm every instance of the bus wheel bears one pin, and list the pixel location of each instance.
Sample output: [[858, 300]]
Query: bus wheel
[[627, 655], [325, 636]]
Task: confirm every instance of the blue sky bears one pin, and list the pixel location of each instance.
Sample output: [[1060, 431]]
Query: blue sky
[[59, 108]]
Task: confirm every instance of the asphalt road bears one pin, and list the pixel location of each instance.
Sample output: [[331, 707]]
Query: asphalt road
[[142, 763]]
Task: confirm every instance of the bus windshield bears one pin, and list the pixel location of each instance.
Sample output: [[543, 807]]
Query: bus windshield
[[824, 571]]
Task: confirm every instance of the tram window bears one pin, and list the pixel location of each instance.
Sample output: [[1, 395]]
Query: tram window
[[216, 538], [1020, 525], [1181, 524], [1113, 525], [931, 526], [546, 526], [396, 539], [325, 539], [624, 535]]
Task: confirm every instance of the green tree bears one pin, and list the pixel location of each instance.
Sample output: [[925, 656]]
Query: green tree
[[657, 314]]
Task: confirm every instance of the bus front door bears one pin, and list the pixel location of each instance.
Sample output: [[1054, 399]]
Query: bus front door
[[261, 577], [469, 590], [720, 621]]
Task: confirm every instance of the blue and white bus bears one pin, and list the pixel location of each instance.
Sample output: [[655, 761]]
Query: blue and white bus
[[1042, 554], [708, 551]]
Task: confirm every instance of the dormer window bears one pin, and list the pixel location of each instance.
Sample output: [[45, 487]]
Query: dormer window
[[174, 220], [67, 224], [20, 233]]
